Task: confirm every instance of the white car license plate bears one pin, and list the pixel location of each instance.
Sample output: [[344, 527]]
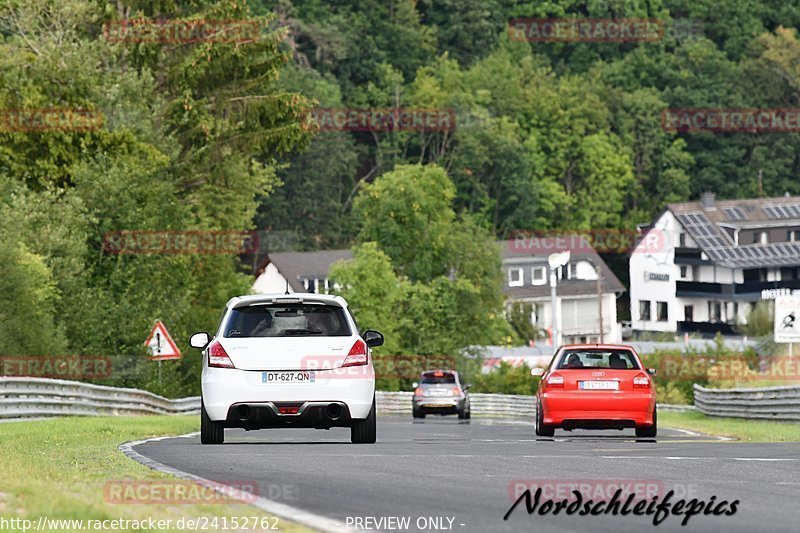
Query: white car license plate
[[438, 392], [599, 385], [288, 377]]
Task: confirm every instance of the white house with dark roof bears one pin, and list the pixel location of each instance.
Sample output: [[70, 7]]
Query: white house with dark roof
[[524, 280], [712, 261]]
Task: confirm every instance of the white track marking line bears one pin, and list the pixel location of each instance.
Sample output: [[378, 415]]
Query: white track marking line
[[282, 510]]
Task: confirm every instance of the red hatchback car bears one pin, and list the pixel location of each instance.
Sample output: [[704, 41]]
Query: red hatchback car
[[596, 386]]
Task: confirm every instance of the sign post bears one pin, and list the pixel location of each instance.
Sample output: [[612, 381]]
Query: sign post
[[787, 320]]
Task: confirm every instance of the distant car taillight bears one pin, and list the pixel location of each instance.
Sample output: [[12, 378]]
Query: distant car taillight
[[419, 392], [641, 381], [217, 357], [555, 381], [455, 392], [357, 355]]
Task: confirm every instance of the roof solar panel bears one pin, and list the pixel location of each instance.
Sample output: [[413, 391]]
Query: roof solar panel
[[721, 249], [782, 211], [734, 213]]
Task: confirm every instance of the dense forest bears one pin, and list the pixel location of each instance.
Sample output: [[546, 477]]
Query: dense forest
[[549, 134], [216, 134]]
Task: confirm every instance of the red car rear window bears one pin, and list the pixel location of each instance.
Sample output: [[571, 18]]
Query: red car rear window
[[610, 359]]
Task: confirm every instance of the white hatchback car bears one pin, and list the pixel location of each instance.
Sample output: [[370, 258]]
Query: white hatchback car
[[287, 360]]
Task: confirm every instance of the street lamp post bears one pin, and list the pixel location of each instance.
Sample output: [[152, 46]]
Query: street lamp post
[[555, 261]]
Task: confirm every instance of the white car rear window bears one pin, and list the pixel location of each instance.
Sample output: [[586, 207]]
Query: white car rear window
[[287, 320]]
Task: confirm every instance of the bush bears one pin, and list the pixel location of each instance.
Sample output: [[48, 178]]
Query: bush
[[506, 379]]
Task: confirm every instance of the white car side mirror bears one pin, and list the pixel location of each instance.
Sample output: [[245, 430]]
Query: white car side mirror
[[199, 340]]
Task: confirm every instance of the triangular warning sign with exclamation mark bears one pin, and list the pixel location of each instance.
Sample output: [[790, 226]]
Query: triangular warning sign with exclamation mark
[[160, 344]]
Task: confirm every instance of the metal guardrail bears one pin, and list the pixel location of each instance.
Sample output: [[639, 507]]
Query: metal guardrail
[[506, 405], [500, 405], [771, 403], [22, 397]]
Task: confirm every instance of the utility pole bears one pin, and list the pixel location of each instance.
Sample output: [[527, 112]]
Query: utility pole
[[556, 261], [553, 304], [600, 302]]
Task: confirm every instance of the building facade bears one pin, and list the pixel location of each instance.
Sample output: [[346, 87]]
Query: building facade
[[701, 266], [525, 279]]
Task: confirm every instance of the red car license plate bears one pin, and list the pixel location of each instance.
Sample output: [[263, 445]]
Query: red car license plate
[[599, 385]]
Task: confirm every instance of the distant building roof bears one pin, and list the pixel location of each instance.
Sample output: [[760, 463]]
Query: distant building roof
[[566, 287], [705, 222], [296, 265]]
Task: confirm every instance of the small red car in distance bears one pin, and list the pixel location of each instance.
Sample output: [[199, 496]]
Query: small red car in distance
[[596, 386]]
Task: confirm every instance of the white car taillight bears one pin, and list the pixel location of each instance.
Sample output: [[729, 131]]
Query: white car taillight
[[555, 380], [641, 381], [357, 355], [217, 357]]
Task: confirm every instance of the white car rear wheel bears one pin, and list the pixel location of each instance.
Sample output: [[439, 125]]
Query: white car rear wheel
[[365, 431]]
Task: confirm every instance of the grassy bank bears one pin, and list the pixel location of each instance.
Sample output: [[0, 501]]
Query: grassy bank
[[745, 430], [59, 469]]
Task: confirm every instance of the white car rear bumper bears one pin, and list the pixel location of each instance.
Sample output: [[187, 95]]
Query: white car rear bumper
[[224, 387]]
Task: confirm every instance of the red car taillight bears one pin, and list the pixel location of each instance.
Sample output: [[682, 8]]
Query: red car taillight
[[217, 357], [455, 392], [357, 355], [419, 392], [555, 381], [641, 381]]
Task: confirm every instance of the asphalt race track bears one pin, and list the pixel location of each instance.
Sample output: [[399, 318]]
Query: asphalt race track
[[467, 471]]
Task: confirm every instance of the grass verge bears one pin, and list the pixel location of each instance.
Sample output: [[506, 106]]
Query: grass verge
[[742, 429], [59, 469]]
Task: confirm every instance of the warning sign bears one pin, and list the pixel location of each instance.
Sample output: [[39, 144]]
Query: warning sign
[[787, 319], [160, 344]]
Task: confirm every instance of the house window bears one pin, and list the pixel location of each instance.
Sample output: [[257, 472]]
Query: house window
[[644, 310], [760, 237], [515, 277], [684, 272], [714, 311], [682, 240], [315, 285], [538, 315], [662, 311], [788, 273], [538, 275], [688, 313], [793, 235], [755, 274]]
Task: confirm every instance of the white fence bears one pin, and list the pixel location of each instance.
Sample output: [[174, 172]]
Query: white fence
[[772, 403]]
